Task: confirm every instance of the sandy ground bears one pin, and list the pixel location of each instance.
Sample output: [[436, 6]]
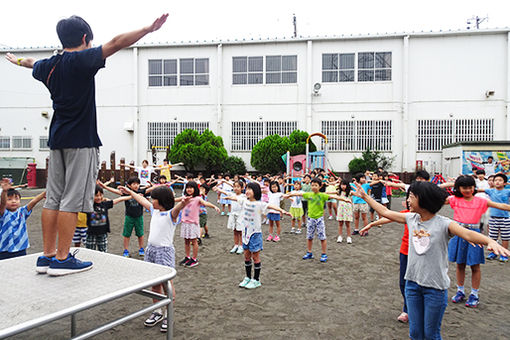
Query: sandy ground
[[355, 295]]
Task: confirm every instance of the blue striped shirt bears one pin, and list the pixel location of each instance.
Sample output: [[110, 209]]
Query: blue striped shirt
[[13, 230]]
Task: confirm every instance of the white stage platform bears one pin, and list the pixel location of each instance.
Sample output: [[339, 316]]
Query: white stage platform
[[29, 300]]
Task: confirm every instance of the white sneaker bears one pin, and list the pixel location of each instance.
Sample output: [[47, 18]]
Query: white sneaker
[[339, 239], [233, 250], [298, 231], [330, 217], [349, 240], [240, 250], [292, 231]]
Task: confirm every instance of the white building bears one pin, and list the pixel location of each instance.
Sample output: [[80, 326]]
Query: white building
[[405, 94]]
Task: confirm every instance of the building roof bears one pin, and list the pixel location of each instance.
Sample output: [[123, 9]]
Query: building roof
[[258, 40], [486, 143]]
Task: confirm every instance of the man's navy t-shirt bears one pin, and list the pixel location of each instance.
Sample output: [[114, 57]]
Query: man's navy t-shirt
[[72, 88]]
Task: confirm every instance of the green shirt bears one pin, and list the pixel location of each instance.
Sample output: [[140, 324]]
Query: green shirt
[[315, 203], [306, 187]]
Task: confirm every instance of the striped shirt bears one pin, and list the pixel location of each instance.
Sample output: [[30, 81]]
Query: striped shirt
[[13, 230]]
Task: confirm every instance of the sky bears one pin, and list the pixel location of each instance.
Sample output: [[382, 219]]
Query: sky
[[31, 23]]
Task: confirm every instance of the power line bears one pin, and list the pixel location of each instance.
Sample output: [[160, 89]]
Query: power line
[[474, 22]]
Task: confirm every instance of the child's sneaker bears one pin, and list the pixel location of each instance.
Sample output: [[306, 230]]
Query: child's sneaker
[[308, 256], [269, 238], [199, 241], [125, 253], [153, 319], [228, 214], [355, 232], [339, 239], [503, 258], [459, 297], [330, 217], [164, 326], [403, 317], [184, 261], [253, 284], [43, 263], [222, 213], [234, 249], [472, 301], [244, 282], [324, 258], [292, 230], [141, 252], [349, 240], [240, 250], [492, 256], [298, 231], [276, 238], [192, 263], [70, 265], [206, 235]]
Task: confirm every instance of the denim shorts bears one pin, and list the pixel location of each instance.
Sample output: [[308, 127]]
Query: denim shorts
[[274, 216], [255, 243]]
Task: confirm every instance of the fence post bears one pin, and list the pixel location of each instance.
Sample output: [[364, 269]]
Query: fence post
[[131, 170], [112, 167], [122, 171], [102, 172]]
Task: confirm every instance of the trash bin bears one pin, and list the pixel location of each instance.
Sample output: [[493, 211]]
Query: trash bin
[[32, 175]]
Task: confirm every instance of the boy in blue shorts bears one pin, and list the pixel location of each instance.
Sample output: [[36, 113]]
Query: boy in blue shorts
[[13, 221], [73, 139]]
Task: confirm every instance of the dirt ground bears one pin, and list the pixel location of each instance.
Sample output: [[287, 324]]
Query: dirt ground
[[355, 295]]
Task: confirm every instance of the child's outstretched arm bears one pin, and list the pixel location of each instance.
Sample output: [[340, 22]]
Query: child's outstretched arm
[[381, 209], [476, 238], [139, 198], [121, 199], [210, 205], [221, 191], [391, 184], [102, 185], [176, 209], [293, 193], [496, 205], [380, 221], [274, 207], [6, 185], [36, 200], [127, 39]]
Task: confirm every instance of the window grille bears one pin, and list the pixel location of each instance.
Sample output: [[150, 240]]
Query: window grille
[[281, 69], [247, 70], [433, 134], [43, 143], [193, 71], [246, 134], [358, 135], [337, 67], [5, 143], [374, 66], [161, 135], [162, 72], [22, 143]]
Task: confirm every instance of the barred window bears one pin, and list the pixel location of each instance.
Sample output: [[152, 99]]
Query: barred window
[[281, 69], [247, 70], [162, 134], [433, 134], [337, 67], [374, 66], [22, 143], [246, 134], [358, 135], [194, 71], [5, 143], [162, 72], [43, 143]]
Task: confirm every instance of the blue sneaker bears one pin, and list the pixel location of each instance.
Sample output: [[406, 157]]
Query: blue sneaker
[[492, 256], [70, 265], [126, 253], [43, 263], [503, 258], [472, 301], [141, 252], [460, 296], [308, 256], [324, 258]]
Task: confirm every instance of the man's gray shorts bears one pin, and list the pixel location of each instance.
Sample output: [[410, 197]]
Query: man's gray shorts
[[72, 175]]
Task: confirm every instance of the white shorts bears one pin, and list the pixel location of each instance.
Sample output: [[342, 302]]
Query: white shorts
[[234, 222]]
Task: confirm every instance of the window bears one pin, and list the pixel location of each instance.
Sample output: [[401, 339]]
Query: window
[[247, 70], [5, 143], [22, 143], [433, 134], [43, 143], [246, 134], [374, 66], [162, 134], [194, 71], [358, 135], [163, 72], [338, 67], [281, 69]]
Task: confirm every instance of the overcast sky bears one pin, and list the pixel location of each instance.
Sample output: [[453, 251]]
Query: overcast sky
[[32, 22]]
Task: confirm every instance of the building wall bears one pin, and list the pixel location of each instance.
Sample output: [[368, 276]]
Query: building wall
[[434, 77]]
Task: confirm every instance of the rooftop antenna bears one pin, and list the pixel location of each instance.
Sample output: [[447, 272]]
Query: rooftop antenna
[[474, 22], [295, 25]]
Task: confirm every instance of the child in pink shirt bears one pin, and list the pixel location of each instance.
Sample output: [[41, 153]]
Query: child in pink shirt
[[190, 222], [467, 211]]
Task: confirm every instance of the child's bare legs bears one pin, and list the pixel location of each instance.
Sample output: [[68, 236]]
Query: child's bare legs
[[77, 244], [223, 208], [270, 227], [330, 206], [324, 246], [340, 228], [309, 244], [476, 276], [348, 227], [126, 242], [140, 241], [206, 229], [229, 207], [461, 273], [194, 243], [187, 246], [299, 223], [504, 244], [278, 228], [239, 241], [364, 218], [356, 220], [162, 288]]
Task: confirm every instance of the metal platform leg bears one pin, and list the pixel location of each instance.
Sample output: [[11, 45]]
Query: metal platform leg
[[170, 312], [73, 325]]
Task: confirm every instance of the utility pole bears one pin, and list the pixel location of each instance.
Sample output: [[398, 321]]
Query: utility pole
[[474, 22], [295, 25]]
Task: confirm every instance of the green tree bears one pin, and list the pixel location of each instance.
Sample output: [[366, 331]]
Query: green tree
[[266, 155], [297, 143], [195, 149], [370, 160], [234, 166]]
